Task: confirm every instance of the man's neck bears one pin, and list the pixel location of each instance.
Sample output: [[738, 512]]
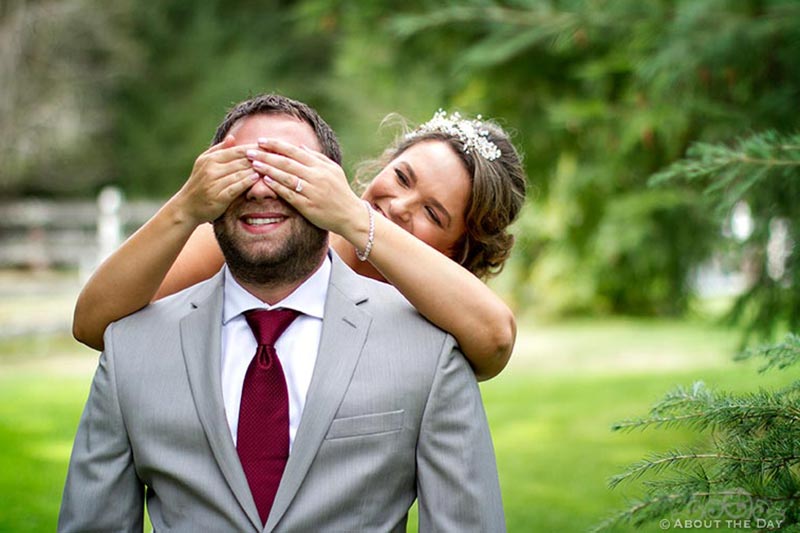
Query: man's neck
[[273, 293]]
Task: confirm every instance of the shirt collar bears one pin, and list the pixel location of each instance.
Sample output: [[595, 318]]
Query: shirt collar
[[309, 298]]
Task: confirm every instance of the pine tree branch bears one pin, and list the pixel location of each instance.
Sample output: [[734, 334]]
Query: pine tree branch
[[704, 419], [781, 355], [702, 409], [663, 505], [767, 162], [659, 463], [725, 165], [660, 505], [669, 421]]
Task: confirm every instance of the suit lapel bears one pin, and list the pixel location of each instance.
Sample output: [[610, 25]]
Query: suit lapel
[[343, 335], [200, 339]]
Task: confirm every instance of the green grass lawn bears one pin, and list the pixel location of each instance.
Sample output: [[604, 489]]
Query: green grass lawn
[[550, 414], [43, 384], [555, 450]]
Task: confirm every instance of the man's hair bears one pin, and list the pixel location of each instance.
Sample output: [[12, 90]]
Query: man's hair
[[275, 104]]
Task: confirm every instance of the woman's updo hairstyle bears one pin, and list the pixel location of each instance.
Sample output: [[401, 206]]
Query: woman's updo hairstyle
[[498, 184]]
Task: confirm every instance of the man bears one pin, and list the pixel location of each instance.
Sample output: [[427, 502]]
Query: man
[[377, 406]]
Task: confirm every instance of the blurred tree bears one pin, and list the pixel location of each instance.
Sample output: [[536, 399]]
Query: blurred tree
[[200, 58], [600, 94], [59, 62], [763, 171], [603, 95], [748, 468]]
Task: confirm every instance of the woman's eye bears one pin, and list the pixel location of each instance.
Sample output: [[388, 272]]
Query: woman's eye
[[401, 177], [434, 216]]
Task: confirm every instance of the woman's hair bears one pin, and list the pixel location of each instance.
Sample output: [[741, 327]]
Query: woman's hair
[[498, 187]]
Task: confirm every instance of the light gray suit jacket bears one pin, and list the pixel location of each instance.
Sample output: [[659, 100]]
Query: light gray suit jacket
[[393, 413]]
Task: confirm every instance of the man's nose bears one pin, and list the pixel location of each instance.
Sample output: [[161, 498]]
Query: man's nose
[[260, 191]]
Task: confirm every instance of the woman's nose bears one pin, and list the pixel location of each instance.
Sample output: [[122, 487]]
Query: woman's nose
[[400, 210]]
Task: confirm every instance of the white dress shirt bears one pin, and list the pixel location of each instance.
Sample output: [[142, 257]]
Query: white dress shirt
[[297, 347]]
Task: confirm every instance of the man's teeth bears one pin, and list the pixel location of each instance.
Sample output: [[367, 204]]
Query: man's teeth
[[262, 221]]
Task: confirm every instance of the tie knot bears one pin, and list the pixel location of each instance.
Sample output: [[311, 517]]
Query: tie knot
[[267, 325]]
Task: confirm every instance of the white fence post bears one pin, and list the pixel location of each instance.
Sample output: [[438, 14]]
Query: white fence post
[[109, 227], [108, 231], [37, 233]]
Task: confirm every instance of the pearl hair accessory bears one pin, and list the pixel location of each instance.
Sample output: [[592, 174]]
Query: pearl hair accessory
[[469, 132]]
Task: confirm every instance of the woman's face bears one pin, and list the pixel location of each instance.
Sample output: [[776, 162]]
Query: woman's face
[[425, 191]]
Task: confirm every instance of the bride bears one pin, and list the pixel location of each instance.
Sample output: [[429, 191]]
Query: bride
[[433, 222]]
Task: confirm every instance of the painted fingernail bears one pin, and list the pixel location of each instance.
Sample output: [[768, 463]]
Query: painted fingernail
[[254, 176], [268, 179], [262, 140], [252, 154], [258, 165]]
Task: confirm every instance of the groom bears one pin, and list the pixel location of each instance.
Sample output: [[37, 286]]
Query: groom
[[358, 408]]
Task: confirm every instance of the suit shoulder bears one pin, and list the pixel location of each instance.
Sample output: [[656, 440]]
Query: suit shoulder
[[385, 298], [388, 306]]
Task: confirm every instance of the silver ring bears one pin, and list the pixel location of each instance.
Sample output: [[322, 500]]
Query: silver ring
[[299, 186]]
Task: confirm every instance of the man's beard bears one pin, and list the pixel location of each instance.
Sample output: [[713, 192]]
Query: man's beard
[[289, 261]]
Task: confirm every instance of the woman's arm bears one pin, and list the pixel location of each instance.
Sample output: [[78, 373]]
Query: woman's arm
[[132, 276], [442, 290], [199, 259]]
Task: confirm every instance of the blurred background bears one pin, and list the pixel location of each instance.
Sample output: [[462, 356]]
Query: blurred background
[[659, 237]]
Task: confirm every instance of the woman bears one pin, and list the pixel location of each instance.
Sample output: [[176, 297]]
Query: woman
[[448, 189]]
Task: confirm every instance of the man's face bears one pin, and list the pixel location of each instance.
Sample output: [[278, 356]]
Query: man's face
[[263, 238]]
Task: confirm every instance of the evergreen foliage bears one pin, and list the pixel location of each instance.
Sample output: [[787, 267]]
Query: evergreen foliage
[[605, 94], [749, 470], [749, 467], [763, 171]]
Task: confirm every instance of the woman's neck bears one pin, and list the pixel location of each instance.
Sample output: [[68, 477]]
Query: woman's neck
[[347, 253]]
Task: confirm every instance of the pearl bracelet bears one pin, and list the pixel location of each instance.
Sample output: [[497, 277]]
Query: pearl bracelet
[[370, 236]]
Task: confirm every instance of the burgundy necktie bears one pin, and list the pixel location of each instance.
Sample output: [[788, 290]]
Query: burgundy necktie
[[262, 439]]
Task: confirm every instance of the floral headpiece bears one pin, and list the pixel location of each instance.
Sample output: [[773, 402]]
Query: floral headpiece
[[470, 132]]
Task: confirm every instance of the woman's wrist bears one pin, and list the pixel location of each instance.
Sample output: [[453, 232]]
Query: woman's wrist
[[354, 226], [363, 253], [178, 213]]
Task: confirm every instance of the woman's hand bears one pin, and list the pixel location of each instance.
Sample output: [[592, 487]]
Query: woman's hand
[[219, 175], [325, 198], [136, 270]]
